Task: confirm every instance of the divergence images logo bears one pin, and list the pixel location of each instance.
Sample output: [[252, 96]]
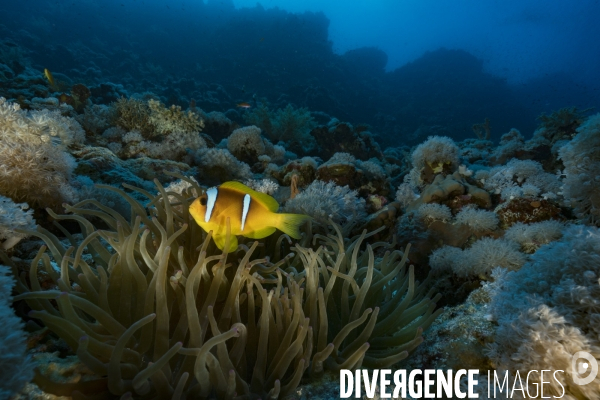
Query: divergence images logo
[[583, 363]]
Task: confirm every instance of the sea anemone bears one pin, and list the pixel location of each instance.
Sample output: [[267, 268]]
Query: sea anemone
[[154, 309]]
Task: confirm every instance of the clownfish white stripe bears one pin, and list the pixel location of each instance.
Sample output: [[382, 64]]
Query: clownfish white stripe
[[245, 209], [210, 202]]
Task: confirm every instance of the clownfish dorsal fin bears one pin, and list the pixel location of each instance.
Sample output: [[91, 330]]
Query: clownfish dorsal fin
[[269, 202]]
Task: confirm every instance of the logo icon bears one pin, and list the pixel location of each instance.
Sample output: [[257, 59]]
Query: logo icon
[[584, 367]]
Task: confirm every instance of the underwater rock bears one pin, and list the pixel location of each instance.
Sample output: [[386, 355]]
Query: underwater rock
[[80, 94], [387, 217], [342, 174], [453, 191], [367, 177], [304, 169], [343, 137], [102, 165]]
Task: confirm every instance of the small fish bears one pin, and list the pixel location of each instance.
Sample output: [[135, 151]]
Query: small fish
[[243, 105], [251, 214], [49, 76]]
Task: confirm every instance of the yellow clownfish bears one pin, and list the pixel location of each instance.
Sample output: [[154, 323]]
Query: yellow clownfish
[[251, 214]]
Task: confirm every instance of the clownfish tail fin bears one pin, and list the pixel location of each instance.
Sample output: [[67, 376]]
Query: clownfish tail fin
[[290, 224]]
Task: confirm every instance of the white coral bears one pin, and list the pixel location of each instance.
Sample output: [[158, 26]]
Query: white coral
[[33, 164], [435, 151], [435, 212], [480, 259], [267, 186], [16, 369], [581, 157], [224, 160], [14, 216], [531, 236], [477, 220], [322, 201]]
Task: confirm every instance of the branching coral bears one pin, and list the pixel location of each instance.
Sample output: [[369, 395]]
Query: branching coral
[[133, 114], [173, 119], [153, 118], [157, 311]]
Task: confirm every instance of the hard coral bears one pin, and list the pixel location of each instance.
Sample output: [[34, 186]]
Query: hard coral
[[173, 119], [157, 311], [133, 114]]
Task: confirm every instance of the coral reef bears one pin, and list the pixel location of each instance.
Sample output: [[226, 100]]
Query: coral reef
[[126, 297]]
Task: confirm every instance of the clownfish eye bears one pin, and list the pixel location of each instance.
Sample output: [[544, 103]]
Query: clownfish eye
[[203, 201]]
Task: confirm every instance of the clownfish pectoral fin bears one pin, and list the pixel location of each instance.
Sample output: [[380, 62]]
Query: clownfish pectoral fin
[[261, 233], [220, 242], [290, 224]]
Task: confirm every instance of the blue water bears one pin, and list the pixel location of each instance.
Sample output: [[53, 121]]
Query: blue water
[[400, 66]]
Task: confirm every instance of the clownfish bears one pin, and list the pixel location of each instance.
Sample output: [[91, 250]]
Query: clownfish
[[251, 214], [243, 105]]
